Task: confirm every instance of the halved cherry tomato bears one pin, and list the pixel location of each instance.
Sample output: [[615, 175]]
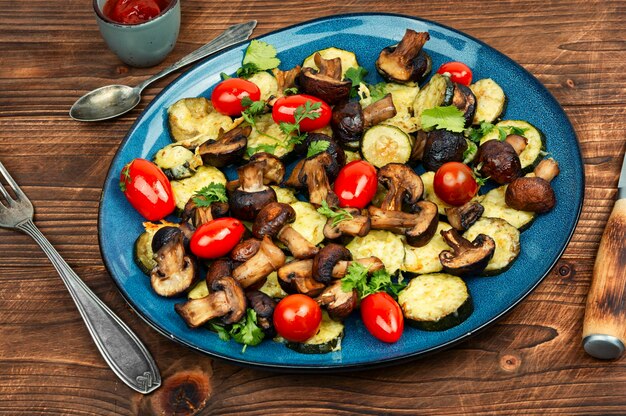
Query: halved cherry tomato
[[131, 12], [382, 317], [285, 107], [216, 238], [454, 183], [227, 95], [356, 184], [297, 318], [457, 71], [147, 189]]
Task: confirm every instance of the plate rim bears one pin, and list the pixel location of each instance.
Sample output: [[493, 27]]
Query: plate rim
[[309, 368]]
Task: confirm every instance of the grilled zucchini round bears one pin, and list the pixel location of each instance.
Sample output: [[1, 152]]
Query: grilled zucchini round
[[384, 144], [385, 245], [327, 339], [422, 260], [348, 59], [533, 152], [507, 242], [437, 92], [490, 100], [496, 207]]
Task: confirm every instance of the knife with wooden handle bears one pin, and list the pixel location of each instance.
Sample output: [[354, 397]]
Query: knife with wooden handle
[[604, 327]]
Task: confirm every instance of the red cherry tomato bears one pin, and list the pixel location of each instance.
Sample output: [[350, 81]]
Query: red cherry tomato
[[297, 318], [382, 317], [457, 71], [131, 12], [356, 184], [454, 183], [227, 95], [216, 238], [285, 107], [147, 189]]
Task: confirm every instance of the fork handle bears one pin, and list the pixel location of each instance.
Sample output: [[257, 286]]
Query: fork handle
[[120, 347]]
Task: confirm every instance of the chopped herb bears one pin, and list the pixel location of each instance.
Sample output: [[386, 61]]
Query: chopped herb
[[317, 147], [260, 56], [246, 331], [290, 91], [268, 148], [449, 118], [378, 91], [475, 134], [470, 152], [380, 281], [221, 331], [308, 110], [224, 76], [516, 130], [125, 176], [213, 192], [501, 134], [337, 216], [254, 108], [355, 279], [480, 181], [247, 70], [356, 76]]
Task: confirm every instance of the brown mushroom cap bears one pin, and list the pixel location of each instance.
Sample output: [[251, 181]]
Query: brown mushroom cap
[[227, 149], [244, 251], [466, 257], [330, 90], [264, 307], [175, 272], [252, 195], [273, 170], [530, 194], [254, 271], [348, 123], [406, 62], [337, 156], [339, 303], [424, 230], [443, 146], [272, 218], [327, 259], [297, 277], [498, 161], [218, 269], [461, 218], [402, 184], [465, 100]]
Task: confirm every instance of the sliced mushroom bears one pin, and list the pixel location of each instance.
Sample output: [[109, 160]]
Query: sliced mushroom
[[199, 215], [357, 226], [372, 264], [465, 100], [402, 184], [418, 227], [273, 171], [349, 120], [406, 62], [498, 161], [518, 142], [339, 303], [325, 261], [247, 200], [297, 277], [417, 152], [443, 146], [293, 181], [273, 221], [325, 83], [227, 149], [218, 269], [285, 80], [534, 193], [254, 271], [466, 257], [264, 307], [175, 272], [245, 250], [313, 173], [226, 300], [461, 218]]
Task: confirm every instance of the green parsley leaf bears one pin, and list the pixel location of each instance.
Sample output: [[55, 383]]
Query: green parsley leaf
[[222, 332], [355, 278], [246, 331], [516, 130], [213, 192], [337, 216], [475, 134], [317, 147], [381, 282], [308, 110], [290, 91], [224, 76], [262, 55], [449, 118], [378, 91], [125, 177], [501, 134], [356, 76], [470, 152], [247, 70], [255, 108], [268, 148]]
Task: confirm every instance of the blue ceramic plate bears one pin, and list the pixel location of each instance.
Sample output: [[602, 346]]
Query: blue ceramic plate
[[365, 34]]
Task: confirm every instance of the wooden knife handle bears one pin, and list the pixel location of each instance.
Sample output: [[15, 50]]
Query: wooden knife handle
[[605, 314]]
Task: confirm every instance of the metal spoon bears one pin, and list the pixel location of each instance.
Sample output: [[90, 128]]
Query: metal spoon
[[114, 100]]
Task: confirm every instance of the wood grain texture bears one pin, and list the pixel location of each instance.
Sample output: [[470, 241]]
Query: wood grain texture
[[531, 362]]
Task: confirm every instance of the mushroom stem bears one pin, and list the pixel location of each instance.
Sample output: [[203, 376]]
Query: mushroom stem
[[402, 183], [518, 142], [251, 176], [328, 67], [461, 218], [372, 264], [315, 177], [338, 302], [266, 260], [378, 112], [197, 312], [410, 46], [286, 79], [417, 153], [391, 220], [299, 246], [297, 277], [547, 169], [357, 226]]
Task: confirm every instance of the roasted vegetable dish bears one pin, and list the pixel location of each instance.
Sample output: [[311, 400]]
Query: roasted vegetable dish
[[291, 198]]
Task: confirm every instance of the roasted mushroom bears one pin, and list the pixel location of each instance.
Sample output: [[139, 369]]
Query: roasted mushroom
[[355, 225], [461, 218], [349, 120], [226, 300], [418, 227], [498, 161], [402, 184], [218, 269], [297, 277], [534, 193], [465, 100], [518, 142], [338, 302], [372, 264], [443, 146], [325, 83], [228, 148], [264, 306], [247, 200], [285, 80], [254, 271], [245, 250], [466, 257], [273, 221], [198, 213], [273, 171], [417, 152], [314, 174], [175, 272], [326, 260], [337, 155], [405, 62]]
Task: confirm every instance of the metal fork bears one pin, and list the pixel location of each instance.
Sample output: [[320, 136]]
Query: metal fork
[[120, 347]]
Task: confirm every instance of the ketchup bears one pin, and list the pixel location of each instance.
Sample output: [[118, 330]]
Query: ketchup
[[132, 12]]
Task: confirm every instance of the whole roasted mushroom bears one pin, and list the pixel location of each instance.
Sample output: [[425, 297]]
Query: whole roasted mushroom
[[254, 271], [461, 218], [297, 277], [357, 225], [227, 149], [498, 161], [273, 170], [534, 194], [273, 221], [402, 184], [326, 260], [226, 300], [314, 174], [325, 83], [338, 302], [264, 307], [200, 213], [337, 155], [418, 227], [252, 195], [466, 257], [443, 146], [350, 121], [405, 62], [175, 272]]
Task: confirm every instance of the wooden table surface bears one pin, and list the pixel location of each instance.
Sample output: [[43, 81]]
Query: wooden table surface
[[530, 362]]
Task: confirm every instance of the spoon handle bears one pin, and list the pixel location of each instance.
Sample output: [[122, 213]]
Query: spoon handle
[[229, 37]]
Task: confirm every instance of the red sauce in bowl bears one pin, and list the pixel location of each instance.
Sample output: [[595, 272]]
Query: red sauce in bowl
[[132, 12]]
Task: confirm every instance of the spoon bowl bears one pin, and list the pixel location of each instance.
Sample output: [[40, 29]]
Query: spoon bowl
[[105, 103]]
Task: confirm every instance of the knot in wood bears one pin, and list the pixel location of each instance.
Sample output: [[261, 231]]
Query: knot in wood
[[564, 271], [509, 362], [121, 70], [570, 83]]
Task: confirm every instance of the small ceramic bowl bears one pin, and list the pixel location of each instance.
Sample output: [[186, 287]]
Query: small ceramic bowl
[[144, 44]]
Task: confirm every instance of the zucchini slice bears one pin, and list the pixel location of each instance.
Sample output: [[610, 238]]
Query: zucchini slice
[[284, 195], [267, 137], [177, 162], [266, 83], [422, 260], [352, 156], [199, 291], [533, 153], [348, 59], [436, 302], [272, 288], [143, 254], [384, 144], [490, 100], [192, 117], [507, 242], [403, 97], [429, 192], [437, 92], [385, 245], [327, 339], [185, 188], [309, 223], [470, 153], [496, 207]]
